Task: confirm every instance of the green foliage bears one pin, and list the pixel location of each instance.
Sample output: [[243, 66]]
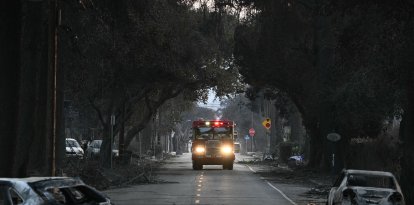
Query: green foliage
[[358, 86], [144, 52], [128, 58]]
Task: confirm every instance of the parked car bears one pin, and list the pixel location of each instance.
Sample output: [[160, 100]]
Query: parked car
[[73, 149], [94, 149], [295, 161], [366, 187], [49, 190]]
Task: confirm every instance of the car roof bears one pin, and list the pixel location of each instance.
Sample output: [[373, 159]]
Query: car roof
[[32, 179], [71, 139], [368, 172]]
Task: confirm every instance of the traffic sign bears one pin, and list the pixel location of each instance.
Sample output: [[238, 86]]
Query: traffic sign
[[333, 137], [252, 132], [246, 137], [267, 123]]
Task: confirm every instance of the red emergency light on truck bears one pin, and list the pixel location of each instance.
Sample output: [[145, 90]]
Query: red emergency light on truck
[[213, 143]]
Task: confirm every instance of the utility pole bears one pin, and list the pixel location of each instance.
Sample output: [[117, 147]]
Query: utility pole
[[267, 112], [54, 22], [251, 141], [112, 135]]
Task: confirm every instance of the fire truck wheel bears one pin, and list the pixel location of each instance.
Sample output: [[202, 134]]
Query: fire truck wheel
[[228, 166], [197, 166]]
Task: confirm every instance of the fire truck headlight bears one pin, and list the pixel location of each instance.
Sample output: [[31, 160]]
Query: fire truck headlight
[[226, 150], [199, 149]]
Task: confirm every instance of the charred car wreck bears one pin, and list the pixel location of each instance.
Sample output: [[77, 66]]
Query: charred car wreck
[[49, 190], [366, 187]]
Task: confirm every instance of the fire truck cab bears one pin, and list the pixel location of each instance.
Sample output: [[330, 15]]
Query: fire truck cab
[[213, 143]]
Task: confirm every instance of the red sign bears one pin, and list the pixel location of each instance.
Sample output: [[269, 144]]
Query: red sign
[[252, 132]]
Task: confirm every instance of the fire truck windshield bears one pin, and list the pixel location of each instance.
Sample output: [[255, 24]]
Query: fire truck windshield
[[213, 133]]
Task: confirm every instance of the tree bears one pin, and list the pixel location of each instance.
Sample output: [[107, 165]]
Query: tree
[[139, 54], [27, 90], [346, 69]]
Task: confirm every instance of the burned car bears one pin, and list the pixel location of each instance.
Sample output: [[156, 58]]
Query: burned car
[[49, 190], [365, 187]]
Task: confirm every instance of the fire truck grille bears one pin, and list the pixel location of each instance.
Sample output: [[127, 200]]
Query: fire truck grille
[[213, 151]]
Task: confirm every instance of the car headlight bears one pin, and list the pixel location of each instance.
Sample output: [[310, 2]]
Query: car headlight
[[199, 149], [226, 150]]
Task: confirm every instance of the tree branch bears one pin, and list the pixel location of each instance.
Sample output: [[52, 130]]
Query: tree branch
[[98, 111]]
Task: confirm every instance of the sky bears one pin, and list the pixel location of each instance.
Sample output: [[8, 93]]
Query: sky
[[212, 102]]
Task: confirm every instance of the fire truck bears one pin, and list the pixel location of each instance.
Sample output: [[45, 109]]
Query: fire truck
[[213, 143]]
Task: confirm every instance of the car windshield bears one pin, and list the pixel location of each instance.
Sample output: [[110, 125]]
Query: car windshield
[[365, 180], [72, 143], [98, 143], [72, 195], [213, 132]]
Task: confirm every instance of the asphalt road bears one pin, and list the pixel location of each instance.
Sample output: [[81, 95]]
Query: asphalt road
[[212, 185]]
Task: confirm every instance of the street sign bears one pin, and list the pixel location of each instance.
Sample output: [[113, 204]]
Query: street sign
[[333, 137], [246, 137], [267, 123], [252, 132]]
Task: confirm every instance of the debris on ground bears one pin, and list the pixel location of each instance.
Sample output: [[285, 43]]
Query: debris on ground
[[137, 171]]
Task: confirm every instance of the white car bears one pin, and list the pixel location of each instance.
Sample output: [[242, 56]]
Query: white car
[[73, 149], [366, 187]]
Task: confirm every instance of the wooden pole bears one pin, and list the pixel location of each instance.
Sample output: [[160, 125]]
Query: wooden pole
[[54, 20]]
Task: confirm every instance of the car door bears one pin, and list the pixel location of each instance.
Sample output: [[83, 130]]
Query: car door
[[333, 193], [9, 196]]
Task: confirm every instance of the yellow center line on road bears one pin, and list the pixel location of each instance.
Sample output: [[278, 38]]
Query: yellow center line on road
[[197, 201]]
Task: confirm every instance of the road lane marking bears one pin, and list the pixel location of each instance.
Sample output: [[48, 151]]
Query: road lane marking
[[198, 189], [200, 181], [271, 185], [198, 194], [197, 201], [284, 195], [251, 169]]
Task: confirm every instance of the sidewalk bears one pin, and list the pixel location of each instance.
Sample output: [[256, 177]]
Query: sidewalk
[[303, 186]]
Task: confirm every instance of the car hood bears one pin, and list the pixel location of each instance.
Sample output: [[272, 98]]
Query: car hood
[[378, 196], [74, 149]]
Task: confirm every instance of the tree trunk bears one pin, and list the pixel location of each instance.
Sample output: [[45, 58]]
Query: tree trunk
[[34, 62], [10, 21], [106, 147], [406, 135], [324, 47], [121, 147], [315, 147]]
